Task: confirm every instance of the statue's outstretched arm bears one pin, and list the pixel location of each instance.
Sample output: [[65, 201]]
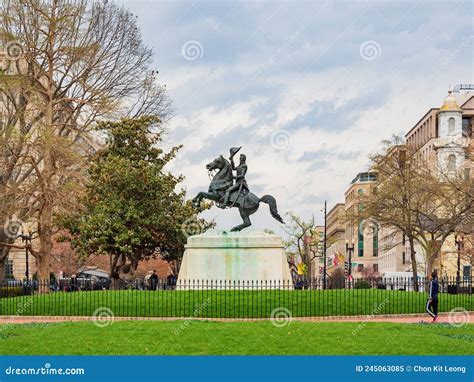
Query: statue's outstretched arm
[[232, 164]]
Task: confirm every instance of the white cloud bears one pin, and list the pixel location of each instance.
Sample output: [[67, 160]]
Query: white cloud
[[250, 83]]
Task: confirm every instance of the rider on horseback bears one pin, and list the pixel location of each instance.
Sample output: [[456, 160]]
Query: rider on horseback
[[241, 171], [222, 185]]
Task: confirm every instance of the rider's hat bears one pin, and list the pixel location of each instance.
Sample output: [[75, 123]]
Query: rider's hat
[[234, 150]]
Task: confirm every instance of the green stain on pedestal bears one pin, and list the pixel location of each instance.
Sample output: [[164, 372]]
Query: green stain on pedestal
[[235, 256]]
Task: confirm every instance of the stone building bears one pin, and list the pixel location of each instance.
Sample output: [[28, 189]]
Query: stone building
[[362, 237], [336, 239], [444, 141]]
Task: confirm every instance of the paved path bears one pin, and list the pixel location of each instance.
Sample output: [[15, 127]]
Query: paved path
[[467, 317]]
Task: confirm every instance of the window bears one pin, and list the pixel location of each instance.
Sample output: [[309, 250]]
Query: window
[[375, 242], [360, 241], [452, 163], [466, 272], [376, 267], [451, 126], [9, 268], [466, 127], [360, 267]]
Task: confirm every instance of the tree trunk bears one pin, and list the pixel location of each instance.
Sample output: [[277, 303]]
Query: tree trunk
[[45, 224], [45, 220], [433, 250], [115, 272], [4, 251], [42, 265], [3, 260], [115, 283], [45, 238], [414, 265]]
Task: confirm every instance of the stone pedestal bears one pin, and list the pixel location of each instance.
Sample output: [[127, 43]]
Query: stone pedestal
[[234, 257]]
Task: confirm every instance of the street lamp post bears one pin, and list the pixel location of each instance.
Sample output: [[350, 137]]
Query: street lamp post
[[460, 245], [27, 240], [349, 251], [324, 244]]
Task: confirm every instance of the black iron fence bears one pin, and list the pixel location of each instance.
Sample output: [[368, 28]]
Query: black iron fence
[[229, 299]]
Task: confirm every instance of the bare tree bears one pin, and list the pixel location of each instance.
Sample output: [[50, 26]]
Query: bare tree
[[411, 197], [449, 208], [81, 62], [303, 239], [394, 196]]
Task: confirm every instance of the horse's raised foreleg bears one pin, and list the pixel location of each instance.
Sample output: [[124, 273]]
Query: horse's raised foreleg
[[197, 199], [204, 195]]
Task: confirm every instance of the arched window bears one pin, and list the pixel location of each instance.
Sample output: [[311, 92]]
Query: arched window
[[452, 163], [451, 126]]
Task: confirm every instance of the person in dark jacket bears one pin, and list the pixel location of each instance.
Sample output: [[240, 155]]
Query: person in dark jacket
[[432, 303], [154, 280], [171, 281]]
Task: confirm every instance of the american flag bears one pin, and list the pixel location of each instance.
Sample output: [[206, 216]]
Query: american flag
[[338, 259]]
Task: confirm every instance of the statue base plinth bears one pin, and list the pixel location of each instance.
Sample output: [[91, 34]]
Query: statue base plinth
[[234, 260]]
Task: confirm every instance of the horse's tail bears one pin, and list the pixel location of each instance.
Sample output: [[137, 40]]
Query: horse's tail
[[270, 200]]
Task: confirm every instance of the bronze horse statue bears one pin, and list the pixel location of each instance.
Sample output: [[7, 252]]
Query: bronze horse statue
[[245, 201]]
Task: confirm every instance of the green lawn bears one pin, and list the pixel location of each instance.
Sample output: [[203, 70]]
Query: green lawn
[[235, 338], [230, 304]]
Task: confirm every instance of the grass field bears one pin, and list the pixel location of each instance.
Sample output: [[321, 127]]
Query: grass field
[[229, 304], [235, 338]]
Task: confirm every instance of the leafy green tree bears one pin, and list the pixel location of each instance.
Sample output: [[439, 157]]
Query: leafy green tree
[[132, 208]]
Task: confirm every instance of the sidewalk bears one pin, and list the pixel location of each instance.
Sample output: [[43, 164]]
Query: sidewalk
[[403, 318]]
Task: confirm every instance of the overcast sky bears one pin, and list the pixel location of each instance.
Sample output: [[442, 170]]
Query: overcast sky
[[308, 89]]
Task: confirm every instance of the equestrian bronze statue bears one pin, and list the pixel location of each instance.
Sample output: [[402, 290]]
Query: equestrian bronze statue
[[229, 190]]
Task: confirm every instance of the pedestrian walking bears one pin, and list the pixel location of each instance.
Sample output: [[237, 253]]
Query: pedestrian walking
[[432, 303]]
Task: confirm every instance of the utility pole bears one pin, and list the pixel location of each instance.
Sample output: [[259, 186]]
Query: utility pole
[[324, 244], [460, 246]]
